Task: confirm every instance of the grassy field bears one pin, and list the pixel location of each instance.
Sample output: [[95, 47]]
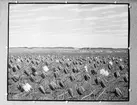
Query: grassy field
[[68, 74]]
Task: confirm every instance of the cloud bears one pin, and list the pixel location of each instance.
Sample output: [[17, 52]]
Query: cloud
[[124, 14], [33, 19], [19, 15], [107, 7], [112, 31], [20, 7], [37, 9], [47, 18], [14, 27], [22, 20], [81, 9], [17, 6], [62, 6], [111, 25], [54, 7], [92, 18], [84, 28], [108, 12], [47, 33], [86, 18], [74, 19], [120, 20]]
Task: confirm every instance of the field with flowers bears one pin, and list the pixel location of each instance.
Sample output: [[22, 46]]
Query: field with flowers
[[68, 74]]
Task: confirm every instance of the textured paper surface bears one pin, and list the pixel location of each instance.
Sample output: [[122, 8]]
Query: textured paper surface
[[133, 58]]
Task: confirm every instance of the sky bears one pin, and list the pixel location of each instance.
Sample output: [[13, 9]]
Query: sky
[[68, 25]]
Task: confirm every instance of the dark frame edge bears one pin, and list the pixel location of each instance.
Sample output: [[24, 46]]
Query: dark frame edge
[[64, 2], [129, 51], [8, 51]]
